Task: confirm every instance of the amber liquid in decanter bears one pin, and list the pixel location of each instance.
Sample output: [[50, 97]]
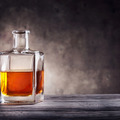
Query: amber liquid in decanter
[[20, 83]]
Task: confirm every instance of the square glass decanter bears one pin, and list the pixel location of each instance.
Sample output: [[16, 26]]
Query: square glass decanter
[[22, 72]]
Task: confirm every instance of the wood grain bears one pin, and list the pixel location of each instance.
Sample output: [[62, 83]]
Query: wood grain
[[68, 107]]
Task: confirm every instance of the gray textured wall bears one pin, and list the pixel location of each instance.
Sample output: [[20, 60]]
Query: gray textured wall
[[80, 39]]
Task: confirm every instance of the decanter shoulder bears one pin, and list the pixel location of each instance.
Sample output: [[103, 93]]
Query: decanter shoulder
[[5, 52], [35, 52]]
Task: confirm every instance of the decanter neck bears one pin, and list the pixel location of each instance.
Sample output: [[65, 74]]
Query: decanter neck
[[20, 40]]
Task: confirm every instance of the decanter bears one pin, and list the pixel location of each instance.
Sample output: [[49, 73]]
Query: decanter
[[22, 72]]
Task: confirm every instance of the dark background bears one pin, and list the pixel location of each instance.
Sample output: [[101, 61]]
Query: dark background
[[80, 39]]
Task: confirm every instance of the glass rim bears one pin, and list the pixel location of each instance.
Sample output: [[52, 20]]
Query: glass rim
[[20, 31]]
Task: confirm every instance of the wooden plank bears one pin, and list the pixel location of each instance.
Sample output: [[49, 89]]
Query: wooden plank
[[66, 107]]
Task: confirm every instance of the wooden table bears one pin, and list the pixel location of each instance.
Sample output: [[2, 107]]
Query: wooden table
[[69, 107]]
